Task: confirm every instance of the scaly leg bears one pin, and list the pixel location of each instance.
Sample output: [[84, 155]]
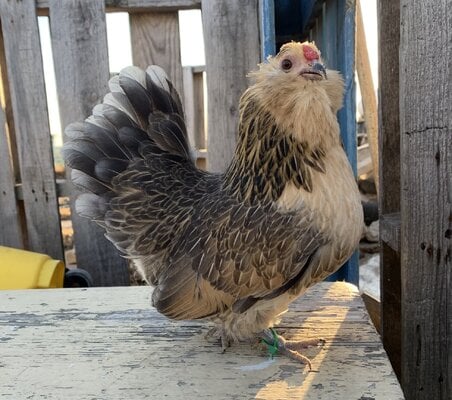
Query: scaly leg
[[219, 333], [290, 348]]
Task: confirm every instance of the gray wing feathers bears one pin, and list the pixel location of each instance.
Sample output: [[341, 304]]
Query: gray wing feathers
[[237, 252], [202, 249]]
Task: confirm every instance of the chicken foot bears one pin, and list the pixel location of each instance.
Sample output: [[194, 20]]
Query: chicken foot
[[219, 333], [290, 348]]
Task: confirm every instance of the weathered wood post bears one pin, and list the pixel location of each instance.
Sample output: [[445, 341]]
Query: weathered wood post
[[426, 197], [231, 31], [79, 41], [155, 40], [31, 126], [389, 164]]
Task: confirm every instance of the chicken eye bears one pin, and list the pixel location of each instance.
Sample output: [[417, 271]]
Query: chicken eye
[[286, 64]]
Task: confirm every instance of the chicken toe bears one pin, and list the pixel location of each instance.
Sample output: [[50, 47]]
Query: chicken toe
[[291, 348]]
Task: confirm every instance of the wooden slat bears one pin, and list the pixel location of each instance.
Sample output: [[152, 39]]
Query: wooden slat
[[367, 91], [329, 38], [137, 5], [111, 344], [389, 172], [390, 230], [344, 13], [10, 231], [8, 109], [194, 112], [364, 160], [10, 228], [79, 42], [426, 210], [194, 107], [155, 40], [26, 83], [231, 37], [267, 28], [373, 307]]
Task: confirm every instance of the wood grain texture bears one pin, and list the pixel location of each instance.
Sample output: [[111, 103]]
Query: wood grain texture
[[28, 98], [389, 173], [194, 107], [373, 307], [367, 91], [112, 345], [8, 109], [390, 230], [426, 198], [10, 230], [79, 43], [138, 5], [232, 44], [155, 40]]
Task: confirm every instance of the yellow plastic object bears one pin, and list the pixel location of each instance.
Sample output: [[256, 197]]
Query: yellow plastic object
[[20, 269]]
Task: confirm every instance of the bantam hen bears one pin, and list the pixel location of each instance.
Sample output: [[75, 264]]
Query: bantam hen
[[237, 247]]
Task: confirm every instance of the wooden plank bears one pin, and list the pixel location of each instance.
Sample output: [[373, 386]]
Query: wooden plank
[[194, 107], [328, 25], [364, 166], [10, 230], [155, 40], [390, 230], [373, 307], [426, 211], [233, 27], [346, 64], [81, 70], [389, 172], [26, 83], [367, 91], [344, 11], [193, 78], [267, 28], [111, 340], [136, 5], [8, 109]]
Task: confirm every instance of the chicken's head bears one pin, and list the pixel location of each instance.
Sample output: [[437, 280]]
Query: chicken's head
[[300, 59], [297, 71]]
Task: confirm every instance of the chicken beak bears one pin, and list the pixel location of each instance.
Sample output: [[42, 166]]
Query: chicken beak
[[319, 67]]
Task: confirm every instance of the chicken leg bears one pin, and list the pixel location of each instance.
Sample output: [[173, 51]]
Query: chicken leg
[[290, 348]]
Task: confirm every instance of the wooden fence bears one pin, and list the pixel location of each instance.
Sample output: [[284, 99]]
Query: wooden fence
[[29, 193]]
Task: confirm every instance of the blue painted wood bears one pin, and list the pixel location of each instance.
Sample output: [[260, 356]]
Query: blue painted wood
[[307, 10], [331, 24], [329, 43], [267, 27], [345, 36]]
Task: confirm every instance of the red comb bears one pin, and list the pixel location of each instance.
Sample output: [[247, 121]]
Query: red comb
[[309, 53]]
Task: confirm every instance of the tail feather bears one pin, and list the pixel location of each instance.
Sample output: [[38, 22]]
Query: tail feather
[[170, 135], [141, 117], [139, 97], [88, 183], [91, 206], [121, 102], [158, 76]]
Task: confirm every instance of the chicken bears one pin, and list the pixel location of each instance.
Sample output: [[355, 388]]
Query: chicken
[[238, 247]]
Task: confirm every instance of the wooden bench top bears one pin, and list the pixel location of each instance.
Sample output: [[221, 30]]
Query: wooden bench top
[[109, 343]]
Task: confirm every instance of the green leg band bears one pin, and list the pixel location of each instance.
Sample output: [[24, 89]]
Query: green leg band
[[272, 347]]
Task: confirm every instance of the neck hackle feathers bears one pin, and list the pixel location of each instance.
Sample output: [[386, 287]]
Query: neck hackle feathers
[[287, 123]]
